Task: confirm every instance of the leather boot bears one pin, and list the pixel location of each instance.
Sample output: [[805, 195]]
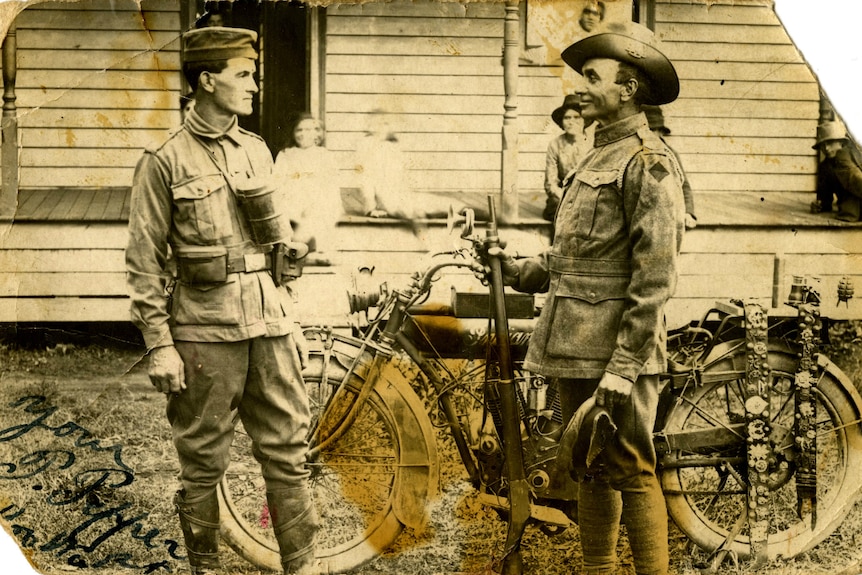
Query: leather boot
[[294, 521], [199, 520]]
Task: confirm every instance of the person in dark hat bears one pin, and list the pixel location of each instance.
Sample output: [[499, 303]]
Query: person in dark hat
[[564, 151], [655, 119], [608, 275], [225, 342], [839, 176]]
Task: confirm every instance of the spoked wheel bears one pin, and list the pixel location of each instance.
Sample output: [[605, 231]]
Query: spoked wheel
[[366, 486], [706, 488], [465, 381]]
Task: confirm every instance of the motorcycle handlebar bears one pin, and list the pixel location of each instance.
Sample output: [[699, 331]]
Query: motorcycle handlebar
[[477, 262], [420, 285]]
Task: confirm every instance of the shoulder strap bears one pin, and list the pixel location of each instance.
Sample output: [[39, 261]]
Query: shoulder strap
[[219, 167]]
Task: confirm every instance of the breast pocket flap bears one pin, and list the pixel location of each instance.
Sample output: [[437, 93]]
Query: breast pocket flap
[[199, 188], [597, 178]]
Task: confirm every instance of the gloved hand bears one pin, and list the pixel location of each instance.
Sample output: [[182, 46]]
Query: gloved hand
[[166, 370], [511, 271]]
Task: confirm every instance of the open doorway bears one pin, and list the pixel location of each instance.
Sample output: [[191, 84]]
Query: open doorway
[[290, 59]]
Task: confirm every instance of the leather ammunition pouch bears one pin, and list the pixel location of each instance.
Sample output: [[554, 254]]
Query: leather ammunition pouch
[[212, 264], [202, 265], [287, 261]]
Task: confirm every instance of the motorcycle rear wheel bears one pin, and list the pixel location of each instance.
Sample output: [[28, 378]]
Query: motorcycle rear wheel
[[707, 499]]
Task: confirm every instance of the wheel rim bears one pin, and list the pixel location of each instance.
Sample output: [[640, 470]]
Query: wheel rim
[[353, 481]]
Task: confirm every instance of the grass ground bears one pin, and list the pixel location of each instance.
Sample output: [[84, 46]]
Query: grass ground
[[88, 472]]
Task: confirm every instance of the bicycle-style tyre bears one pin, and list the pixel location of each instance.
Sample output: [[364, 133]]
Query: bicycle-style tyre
[[374, 480], [706, 492]]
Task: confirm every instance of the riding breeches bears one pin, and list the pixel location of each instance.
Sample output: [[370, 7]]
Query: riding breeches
[[259, 380]]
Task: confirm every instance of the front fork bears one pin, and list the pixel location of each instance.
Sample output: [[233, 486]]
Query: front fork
[[456, 430], [519, 490], [392, 333]]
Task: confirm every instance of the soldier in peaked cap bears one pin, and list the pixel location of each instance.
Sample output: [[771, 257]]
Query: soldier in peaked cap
[[226, 342], [608, 274]]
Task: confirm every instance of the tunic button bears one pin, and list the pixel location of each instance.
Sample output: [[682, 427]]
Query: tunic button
[[592, 295]]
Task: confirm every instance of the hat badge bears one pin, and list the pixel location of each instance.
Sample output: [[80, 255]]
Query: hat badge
[[635, 50]]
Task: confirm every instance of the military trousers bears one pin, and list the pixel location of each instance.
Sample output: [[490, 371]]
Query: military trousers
[[628, 462], [260, 381], [623, 485]]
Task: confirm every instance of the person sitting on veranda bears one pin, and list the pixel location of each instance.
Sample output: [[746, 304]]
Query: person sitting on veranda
[[839, 176], [655, 118], [310, 184]]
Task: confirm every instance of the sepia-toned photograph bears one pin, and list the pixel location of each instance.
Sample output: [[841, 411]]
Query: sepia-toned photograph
[[429, 287]]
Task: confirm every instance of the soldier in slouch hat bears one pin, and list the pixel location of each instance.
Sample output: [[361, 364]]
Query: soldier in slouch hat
[[839, 175], [608, 274]]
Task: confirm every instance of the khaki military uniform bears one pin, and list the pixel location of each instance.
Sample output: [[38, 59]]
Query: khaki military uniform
[[612, 266], [609, 273], [234, 336]]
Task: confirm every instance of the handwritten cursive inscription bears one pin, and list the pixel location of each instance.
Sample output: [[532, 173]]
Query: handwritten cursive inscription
[[38, 405], [88, 496]]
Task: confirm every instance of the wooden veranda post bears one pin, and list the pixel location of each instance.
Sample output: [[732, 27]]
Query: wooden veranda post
[[511, 49], [9, 147]]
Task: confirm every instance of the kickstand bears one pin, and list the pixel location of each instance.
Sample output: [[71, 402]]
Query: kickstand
[[722, 551]]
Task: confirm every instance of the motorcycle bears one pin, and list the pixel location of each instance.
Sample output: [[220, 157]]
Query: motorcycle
[[757, 433]]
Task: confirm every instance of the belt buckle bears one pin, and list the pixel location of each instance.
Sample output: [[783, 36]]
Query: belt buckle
[[254, 262]]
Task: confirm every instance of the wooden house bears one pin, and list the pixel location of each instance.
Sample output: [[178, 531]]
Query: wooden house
[[470, 87]]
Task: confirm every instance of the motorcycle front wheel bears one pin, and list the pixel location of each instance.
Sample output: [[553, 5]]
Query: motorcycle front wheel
[[366, 486]]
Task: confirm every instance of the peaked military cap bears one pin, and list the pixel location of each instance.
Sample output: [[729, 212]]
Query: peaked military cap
[[218, 43], [635, 45]]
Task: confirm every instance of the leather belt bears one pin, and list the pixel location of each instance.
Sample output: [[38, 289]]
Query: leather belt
[[253, 262], [589, 266]]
